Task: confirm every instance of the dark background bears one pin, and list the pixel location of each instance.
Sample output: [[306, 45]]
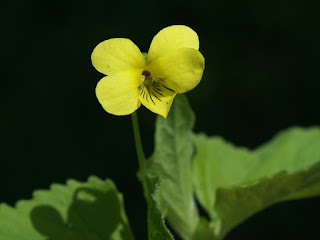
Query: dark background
[[261, 76]]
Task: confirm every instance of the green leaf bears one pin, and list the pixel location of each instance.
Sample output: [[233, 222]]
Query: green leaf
[[157, 229], [232, 183], [204, 230], [171, 162], [78, 211]]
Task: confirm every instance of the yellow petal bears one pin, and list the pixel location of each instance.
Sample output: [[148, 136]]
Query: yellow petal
[[116, 55], [118, 94], [170, 38], [156, 98], [181, 69]]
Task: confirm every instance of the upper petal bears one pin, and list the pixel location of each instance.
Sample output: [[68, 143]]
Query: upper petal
[[180, 69], [170, 38], [116, 55], [118, 94]]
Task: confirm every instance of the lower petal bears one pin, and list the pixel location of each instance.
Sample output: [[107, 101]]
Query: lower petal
[[157, 97], [118, 94]]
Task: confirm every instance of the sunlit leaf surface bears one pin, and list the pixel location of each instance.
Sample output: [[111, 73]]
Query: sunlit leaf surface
[[232, 183]]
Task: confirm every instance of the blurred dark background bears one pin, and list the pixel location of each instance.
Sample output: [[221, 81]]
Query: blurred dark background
[[261, 76]]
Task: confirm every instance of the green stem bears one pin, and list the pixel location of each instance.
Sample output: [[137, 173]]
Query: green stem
[[141, 158]]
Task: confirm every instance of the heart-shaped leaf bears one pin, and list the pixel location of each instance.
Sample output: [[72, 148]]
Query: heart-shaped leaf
[[77, 211], [232, 183]]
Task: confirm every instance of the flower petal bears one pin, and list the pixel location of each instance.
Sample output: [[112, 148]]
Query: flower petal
[[170, 38], [118, 94], [180, 69], [156, 98], [116, 55]]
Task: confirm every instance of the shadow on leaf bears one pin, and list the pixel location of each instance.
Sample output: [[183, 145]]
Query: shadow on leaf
[[92, 215]]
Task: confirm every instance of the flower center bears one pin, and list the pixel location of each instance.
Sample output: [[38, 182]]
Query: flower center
[[146, 73], [146, 78], [152, 89]]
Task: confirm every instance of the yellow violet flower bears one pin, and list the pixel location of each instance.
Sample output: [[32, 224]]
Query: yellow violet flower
[[173, 65]]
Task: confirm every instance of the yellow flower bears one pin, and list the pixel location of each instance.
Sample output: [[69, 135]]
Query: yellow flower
[[173, 65]]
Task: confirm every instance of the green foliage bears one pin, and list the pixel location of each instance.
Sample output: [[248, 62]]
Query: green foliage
[[171, 162], [232, 183], [78, 211], [156, 226]]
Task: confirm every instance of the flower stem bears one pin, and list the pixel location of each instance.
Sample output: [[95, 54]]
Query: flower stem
[[141, 158]]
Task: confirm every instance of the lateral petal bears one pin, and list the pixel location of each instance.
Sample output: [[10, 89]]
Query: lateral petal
[[171, 38], [116, 55], [180, 69], [118, 94]]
